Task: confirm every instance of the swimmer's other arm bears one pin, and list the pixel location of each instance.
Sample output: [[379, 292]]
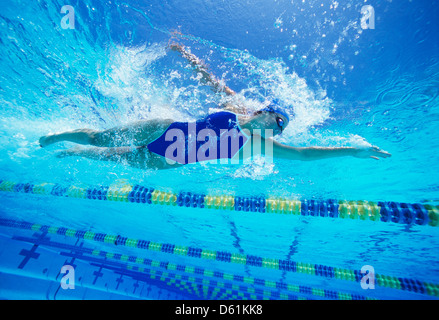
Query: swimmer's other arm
[[317, 153], [201, 68]]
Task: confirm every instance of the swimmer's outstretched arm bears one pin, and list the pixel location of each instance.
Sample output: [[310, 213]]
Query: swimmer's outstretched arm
[[316, 153], [200, 67]]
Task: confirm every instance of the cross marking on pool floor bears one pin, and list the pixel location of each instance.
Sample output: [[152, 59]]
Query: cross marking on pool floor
[[136, 285], [119, 281], [75, 254], [28, 254], [97, 274]]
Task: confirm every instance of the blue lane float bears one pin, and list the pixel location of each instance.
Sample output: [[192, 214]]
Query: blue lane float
[[392, 212]]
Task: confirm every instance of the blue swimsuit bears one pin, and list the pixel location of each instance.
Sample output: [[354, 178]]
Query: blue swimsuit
[[218, 136]]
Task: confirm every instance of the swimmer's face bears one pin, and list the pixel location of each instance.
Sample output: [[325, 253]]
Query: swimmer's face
[[266, 120]]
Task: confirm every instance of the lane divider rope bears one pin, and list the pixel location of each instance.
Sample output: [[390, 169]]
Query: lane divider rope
[[227, 257], [192, 271], [403, 213]]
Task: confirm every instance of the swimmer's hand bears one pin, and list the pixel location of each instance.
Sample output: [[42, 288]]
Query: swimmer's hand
[[371, 152], [172, 43], [175, 47]]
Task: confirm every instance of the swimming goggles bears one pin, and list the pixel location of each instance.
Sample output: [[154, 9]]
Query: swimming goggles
[[280, 122]]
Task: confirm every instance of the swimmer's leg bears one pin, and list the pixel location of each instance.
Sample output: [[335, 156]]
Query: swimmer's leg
[[106, 154], [81, 136], [139, 133]]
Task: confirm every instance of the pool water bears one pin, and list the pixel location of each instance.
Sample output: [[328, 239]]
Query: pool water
[[342, 86]]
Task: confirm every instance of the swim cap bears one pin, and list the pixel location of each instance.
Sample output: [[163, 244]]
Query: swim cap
[[275, 107]]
